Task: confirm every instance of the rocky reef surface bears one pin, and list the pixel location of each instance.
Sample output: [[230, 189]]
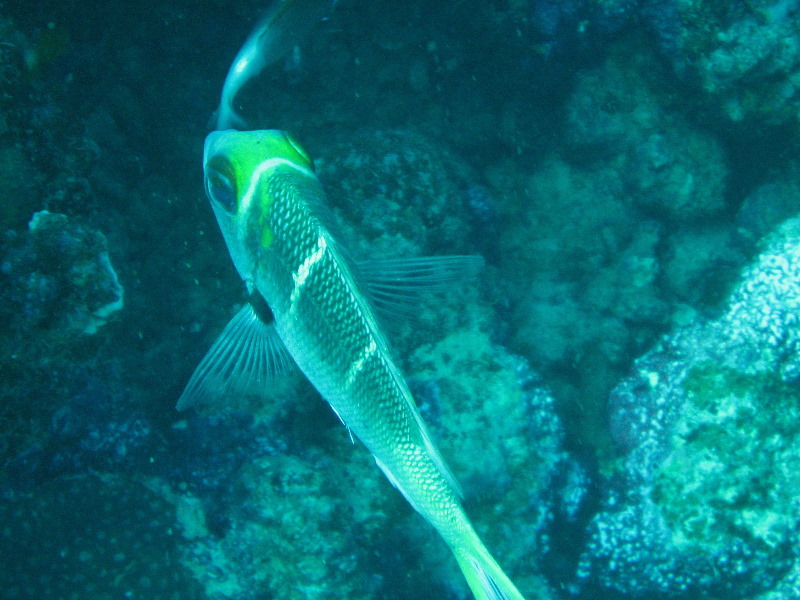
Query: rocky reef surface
[[706, 428]]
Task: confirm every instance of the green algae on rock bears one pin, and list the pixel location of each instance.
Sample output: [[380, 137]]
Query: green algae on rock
[[734, 468]]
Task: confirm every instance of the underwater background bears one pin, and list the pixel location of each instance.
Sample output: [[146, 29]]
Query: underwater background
[[618, 393]]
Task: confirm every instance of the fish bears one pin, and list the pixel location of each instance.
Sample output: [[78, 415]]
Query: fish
[[281, 29], [312, 306]]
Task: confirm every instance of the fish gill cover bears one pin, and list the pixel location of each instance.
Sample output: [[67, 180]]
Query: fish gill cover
[[616, 394]]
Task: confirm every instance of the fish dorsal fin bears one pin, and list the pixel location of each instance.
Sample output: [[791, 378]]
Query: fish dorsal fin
[[246, 357], [396, 284]]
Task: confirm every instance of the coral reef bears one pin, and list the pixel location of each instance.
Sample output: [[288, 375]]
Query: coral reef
[[582, 270], [296, 520], [743, 56], [616, 162], [400, 192], [598, 246], [89, 536], [617, 112], [762, 320], [769, 204], [698, 265], [61, 277], [707, 427]]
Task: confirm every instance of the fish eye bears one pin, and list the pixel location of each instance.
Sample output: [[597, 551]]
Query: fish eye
[[299, 149], [221, 184]]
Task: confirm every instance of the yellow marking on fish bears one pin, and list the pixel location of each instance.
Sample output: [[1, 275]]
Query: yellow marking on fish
[[359, 363], [304, 270], [266, 237]]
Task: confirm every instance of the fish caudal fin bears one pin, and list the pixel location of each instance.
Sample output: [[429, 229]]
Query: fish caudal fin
[[485, 577]]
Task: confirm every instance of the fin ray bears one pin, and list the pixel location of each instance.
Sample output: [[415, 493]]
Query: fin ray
[[395, 285], [484, 576], [245, 358]]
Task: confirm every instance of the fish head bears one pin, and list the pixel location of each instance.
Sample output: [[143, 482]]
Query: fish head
[[237, 166]]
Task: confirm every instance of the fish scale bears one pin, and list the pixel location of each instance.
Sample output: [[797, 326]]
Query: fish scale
[[332, 329]]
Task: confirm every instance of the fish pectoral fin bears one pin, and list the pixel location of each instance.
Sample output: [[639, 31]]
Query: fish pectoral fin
[[246, 357], [396, 284]]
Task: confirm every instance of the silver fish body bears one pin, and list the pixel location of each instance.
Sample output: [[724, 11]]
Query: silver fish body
[[271, 209]]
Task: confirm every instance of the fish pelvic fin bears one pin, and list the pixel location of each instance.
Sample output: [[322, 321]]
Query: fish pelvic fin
[[484, 576]]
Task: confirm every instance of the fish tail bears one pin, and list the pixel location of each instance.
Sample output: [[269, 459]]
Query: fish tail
[[484, 576], [226, 117]]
